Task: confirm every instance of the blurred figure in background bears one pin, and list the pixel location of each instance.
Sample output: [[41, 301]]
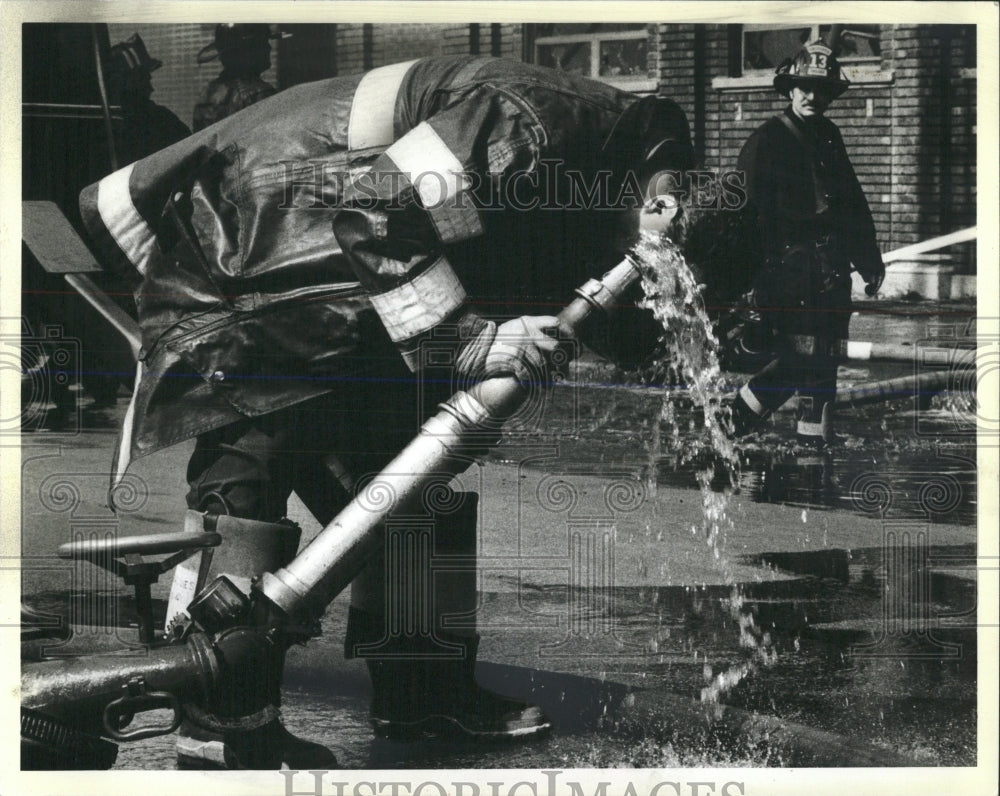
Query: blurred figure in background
[[245, 53], [145, 127]]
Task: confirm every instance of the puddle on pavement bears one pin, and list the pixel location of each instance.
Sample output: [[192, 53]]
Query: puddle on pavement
[[879, 649], [927, 459], [876, 644]]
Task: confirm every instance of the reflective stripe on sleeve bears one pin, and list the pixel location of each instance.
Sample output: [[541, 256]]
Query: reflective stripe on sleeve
[[438, 177], [420, 304], [129, 229], [374, 106], [432, 168]]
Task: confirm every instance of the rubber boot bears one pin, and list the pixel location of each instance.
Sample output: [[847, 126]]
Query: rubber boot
[[414, 699], [412, 619], [749, 415], [814, 429], [249, 548]]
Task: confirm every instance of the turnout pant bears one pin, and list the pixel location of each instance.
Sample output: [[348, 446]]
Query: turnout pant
[[322, 450], [808, 310]]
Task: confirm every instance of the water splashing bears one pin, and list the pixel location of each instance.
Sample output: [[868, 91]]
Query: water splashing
[[689, 359], [690, 349]]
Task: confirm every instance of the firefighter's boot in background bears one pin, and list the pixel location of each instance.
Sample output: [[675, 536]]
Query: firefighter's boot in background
[[259, 741], [413, 621], [815, 428]]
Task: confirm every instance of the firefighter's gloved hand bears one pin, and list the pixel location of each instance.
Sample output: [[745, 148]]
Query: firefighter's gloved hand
[[522, 348], [874, 280]]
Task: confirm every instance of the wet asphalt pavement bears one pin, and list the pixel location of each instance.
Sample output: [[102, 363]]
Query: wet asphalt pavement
[[855, 570]]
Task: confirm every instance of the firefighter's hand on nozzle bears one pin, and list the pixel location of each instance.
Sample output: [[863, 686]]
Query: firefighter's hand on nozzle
[[523, 347]]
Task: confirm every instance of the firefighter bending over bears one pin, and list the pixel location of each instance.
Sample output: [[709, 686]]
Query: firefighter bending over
[[319, 270]]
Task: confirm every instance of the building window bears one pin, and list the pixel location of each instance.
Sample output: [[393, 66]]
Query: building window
[[620, 54], [764, 47]]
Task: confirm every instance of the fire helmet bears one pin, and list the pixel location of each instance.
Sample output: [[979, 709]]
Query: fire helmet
[[651, 135], [129, 56], [816, 65], [233, 36]]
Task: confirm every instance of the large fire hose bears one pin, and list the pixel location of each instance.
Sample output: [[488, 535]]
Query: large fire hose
[[304, 588], [232, 652]]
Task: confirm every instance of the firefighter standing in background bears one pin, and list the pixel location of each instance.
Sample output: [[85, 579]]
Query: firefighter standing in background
[[245, 53], [294, 350], [814, 225], [146, 127]]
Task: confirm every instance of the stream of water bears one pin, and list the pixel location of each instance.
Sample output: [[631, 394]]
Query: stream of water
[[689, 356]]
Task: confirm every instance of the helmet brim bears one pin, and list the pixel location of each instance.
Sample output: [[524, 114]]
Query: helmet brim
[[651, 134], [784, 84], [210, 52]]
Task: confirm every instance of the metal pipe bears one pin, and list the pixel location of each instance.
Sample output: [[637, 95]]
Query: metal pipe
[[77, 690], [922, 385], [302, 590], [231, 673], [931, 244], [864, 351]]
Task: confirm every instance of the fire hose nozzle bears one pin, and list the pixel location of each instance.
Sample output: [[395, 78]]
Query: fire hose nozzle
[[604, 293]]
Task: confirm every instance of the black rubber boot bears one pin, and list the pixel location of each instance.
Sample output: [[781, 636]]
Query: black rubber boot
[[815, 428], [420, 645], [746, 422], [248, 549], [415, 699], [267, 748]]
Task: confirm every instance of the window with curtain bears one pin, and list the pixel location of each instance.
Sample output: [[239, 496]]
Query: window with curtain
[[618, 53], [764, 47]]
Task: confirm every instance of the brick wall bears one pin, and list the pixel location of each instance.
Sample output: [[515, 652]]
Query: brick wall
[[392, 43], [676, 64], [911, 140], [402, 42], [349, 49], [934, 123]]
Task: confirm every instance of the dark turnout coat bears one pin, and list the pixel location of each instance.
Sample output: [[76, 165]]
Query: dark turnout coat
[[228, 94], [270, 270], [803, 188]]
